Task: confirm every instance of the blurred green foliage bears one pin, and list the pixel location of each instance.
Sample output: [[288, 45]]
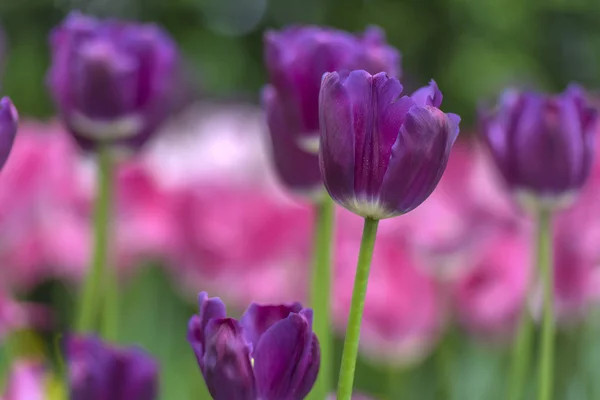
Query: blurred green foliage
[[472, 48]]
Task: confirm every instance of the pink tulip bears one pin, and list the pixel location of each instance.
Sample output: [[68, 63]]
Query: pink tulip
[[43, 231], [246, 241], [489, 297], [27, 381]]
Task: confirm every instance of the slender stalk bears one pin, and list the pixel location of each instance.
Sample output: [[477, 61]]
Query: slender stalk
[[521, 351], [443, 364], [546, 354], [320, 296], [350, 352], [95, 280]]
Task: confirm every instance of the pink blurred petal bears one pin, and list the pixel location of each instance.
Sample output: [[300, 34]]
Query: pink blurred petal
[[26, 382]]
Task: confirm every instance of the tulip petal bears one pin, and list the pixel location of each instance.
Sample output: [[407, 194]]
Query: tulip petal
[[282, 358], [336, 153], [418, 160], [8, 128], [258, 318], [227, 367], [297, 168]]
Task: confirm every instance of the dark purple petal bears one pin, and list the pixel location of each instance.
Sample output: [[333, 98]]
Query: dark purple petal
[[104, 81], [419, 158], [283, 358], [258, 318], [195, 336], [98, 371], [227, 366], [296, 59], [336, 150], [89, 366], [141, 378], [8, 128], [311, 374], [297, 168], [429, 95]]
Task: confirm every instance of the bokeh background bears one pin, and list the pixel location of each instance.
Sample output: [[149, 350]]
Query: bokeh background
[[473, 49]]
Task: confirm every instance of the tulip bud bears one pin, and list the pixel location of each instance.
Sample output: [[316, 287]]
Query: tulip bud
[[542, 145], [271, 354], [98, 372], [8, 128], [381, 155], [112, 81]]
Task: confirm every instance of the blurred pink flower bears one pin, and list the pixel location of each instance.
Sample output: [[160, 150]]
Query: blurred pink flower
[[402, 316], [43, 232], [248, 242], [27, 381], [15, 316], [468, 202], [489, 297], [144, 219]]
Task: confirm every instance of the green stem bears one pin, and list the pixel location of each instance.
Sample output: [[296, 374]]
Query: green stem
[[521, 351], [396, 388], [320, 296], [443, 365], [96, 278], [546, 354], [350, 352]]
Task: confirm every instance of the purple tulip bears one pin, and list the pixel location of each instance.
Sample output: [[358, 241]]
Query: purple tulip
[[296, 59], [297, 168], [270, 354], [381, 154], [8, 128], [113, 81], [98, 371], [543, 145]]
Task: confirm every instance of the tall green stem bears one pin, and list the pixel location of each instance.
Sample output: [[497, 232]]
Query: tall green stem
[[521, 352], [96, 278], [546, 354], [320, 295], [350, 352]]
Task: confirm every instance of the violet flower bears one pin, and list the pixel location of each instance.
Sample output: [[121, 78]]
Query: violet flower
[[98, 371], [113, 81], [381, 154], [296, 59], [543, 145], [271, 353], [8, 128]]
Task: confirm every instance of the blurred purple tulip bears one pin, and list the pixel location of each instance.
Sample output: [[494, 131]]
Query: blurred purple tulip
[[271, 353], [112, 81], [8, 128], [382, 155], [98, 371], [543, 145], [296, 59]]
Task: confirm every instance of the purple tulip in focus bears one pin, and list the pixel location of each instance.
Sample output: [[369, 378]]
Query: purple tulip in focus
[[296, 59], [8, 128], [381, 155], [542, 145], [98, 371], [112, 81], [271, 353]]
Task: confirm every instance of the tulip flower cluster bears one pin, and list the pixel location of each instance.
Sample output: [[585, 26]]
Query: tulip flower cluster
[[494, 234]]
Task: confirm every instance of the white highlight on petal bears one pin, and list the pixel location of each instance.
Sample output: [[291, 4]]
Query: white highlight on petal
[[532, 203], [369, 208], [121, 128], [310, 142]]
